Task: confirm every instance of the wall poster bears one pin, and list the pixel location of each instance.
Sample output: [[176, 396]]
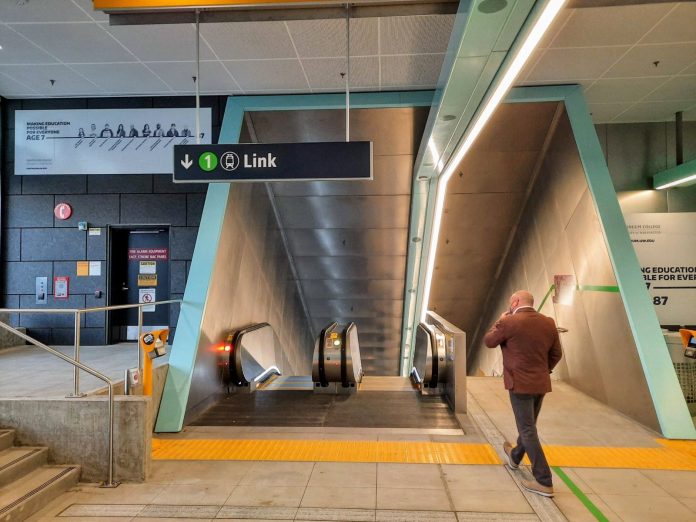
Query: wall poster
[[104, 141], [665, 244]]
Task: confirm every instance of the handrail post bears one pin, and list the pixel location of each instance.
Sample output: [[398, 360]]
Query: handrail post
[[110, 479], [76, 356], [137, 341]]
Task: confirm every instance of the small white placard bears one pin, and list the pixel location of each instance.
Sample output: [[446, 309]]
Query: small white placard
[[148, 267], [95, 268], [95, 231], [147, 295]]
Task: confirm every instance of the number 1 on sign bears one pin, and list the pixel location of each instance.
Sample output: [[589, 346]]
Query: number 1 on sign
[[207, 161]]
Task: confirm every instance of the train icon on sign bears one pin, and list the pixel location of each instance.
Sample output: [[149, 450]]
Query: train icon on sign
[[229, 161]]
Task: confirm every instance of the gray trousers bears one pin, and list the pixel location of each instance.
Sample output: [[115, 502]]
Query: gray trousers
[[526, 408]]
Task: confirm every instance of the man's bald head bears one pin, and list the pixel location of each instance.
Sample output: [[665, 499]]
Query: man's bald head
[[521, 298]]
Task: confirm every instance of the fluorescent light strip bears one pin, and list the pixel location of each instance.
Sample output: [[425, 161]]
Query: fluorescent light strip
[[535, 35], [678, 182]]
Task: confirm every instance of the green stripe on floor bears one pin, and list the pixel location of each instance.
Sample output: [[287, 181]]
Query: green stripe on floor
[[581, 496]]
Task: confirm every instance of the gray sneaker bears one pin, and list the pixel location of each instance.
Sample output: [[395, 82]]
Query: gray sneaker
[[535, 487], [507, 448]]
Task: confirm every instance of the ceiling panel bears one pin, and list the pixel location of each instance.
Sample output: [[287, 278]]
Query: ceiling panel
[[76, 42], [250, 40], [575, 64], [415, 34], [623, 89], [327, 38], [160, 43], [179, 76], [39, 78], [268, 74], [640, 60], [412, 69], [677, 26], [41, 11], [17, 50], [119, 78], [326, 72], [620, 25], [677, 88]]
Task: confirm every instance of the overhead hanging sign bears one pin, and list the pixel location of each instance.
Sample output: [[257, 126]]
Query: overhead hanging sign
[[273, 162], [108, 141], [666, 248]]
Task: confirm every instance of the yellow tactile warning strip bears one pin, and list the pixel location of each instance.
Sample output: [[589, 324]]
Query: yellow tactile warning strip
[[667, 457], [324, 451], [671, 455]]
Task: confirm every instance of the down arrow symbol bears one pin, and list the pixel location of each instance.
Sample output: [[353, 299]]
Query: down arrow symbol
[[186, 162]]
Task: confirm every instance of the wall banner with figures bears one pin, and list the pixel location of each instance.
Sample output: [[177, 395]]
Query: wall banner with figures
[[666, 248], [104, 141]]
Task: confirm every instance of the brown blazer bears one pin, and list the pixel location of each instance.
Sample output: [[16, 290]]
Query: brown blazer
[[531, 349]]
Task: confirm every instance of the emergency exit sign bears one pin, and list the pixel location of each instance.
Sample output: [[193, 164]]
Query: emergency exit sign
[[273, 162]]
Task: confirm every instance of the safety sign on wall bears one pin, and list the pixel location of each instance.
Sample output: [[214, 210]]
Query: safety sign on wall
[[104, 141], [61, 287], [665, 244], [148, 254], [148, 267], [147, 295], [147, 279]]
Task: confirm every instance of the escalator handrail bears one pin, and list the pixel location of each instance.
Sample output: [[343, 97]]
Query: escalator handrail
[[320, 355]]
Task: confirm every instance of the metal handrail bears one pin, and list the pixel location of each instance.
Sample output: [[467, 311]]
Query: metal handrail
[[79, 366], [78, 314]]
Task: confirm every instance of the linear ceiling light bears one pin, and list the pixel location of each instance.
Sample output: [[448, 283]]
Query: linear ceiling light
[[535, 35], [684, 174]]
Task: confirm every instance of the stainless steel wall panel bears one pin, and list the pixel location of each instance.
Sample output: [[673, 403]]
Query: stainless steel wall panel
[[348, 241], [493, 171], [356, 307], [359, 212], [388, 179], [354, 267], [355, 289]]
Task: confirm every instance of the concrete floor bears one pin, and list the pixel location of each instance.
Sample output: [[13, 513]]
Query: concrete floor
[[29, 371], [257, 490]]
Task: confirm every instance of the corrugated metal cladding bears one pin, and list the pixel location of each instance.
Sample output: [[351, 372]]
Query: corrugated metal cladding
[[348, 240]]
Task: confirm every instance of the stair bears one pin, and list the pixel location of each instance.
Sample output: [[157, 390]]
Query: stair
[[386, 383], [27, 482]]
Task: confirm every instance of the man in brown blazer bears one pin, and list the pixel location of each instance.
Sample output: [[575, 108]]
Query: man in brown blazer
[[531, 349]]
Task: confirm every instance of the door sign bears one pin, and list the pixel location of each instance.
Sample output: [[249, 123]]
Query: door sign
[[147, 279], [62, 211], [273, 162], [148, 267], [148, 254], [147, 295]]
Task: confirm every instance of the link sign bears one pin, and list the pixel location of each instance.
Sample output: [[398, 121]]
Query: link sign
[[273, 162]]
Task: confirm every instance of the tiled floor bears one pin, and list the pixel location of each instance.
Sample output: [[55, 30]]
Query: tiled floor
[[36, 373], [236, 490]]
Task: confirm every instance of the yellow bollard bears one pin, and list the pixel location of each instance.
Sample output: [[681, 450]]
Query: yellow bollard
[[153, 345]]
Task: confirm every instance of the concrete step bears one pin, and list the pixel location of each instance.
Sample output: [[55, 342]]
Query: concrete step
[[23, 498], [386, 383], [18, 461], [6, 439]]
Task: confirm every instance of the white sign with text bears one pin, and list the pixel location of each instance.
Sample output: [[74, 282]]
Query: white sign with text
[[666, 248], [104, 141]]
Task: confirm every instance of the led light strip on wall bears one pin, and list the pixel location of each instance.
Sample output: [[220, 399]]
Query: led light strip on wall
[[684, 174], [549, 13]]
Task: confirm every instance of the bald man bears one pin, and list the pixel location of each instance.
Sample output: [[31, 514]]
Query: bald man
[[531, 349]]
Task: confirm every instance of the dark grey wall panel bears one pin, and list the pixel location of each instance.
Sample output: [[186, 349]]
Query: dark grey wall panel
[[20, 278], [48, 244], [163, 185], [29, 211], [54, 184], [96, 245], [98, 211], [182, 241], [194, 209], [35, 244], [143, 209], [10, 244], [118, 184], [66, 320]]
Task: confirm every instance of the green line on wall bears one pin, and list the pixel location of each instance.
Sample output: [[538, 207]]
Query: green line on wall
[[543, 301], [596, 288]]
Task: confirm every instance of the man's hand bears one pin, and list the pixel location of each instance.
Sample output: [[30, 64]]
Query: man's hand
[[504, 314]]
